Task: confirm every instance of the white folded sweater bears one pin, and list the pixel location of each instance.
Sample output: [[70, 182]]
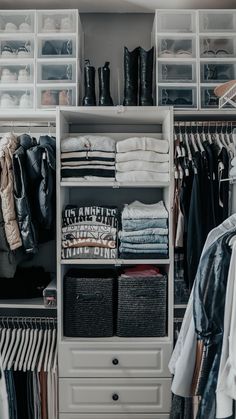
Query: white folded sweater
[[142, 166], [142, 143], [139, 176], [88, 143], [150, 156]]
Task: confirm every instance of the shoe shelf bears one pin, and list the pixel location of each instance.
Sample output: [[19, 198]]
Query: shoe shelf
[[193, 47]]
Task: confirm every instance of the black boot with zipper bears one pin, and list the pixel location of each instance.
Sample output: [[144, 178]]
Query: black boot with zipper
[[89, 98], [131, 77], [104, 85]]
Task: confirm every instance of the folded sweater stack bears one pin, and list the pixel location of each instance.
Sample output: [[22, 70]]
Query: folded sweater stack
[[89, 233], [144, 232], [142, 159], [88, 158]]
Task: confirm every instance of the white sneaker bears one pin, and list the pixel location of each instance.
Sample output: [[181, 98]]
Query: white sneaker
[[7, 51], [25, 101], [8, 76], [8, 101], [23, 52], [49, 24], [10, 27], [23, 76], [24, 27], [65, 24]]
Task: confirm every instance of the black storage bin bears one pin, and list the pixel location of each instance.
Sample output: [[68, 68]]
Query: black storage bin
[[88, 303], [142, 306]]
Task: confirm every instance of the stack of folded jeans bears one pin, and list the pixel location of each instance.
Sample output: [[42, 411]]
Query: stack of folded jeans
[[88, 158], [142, 159], [144, 232], [89, 233]]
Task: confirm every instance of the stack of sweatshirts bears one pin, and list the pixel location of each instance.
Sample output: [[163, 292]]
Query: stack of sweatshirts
[[89, 233], [88, 157], [142, 159], [144, 232]]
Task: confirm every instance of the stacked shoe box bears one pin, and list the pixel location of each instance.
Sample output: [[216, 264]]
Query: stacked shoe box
[[17, 53], [58, 52]]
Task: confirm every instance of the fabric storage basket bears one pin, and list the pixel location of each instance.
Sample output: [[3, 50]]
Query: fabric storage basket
[[88, 303], [142, 306]]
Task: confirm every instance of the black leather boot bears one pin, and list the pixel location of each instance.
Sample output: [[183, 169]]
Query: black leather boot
[[131, 77], [89, 98], [104, 85], [146, 77]]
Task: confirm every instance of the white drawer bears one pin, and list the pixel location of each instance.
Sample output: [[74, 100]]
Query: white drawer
[[112, 416], [118, 396], [131, 361]]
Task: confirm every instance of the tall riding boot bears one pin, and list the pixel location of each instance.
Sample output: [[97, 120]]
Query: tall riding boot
[[146, 77], [104, 85], [131, 77], [89, 98]]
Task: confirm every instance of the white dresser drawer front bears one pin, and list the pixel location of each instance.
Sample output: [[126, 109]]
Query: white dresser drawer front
[[108, 395], [75, 361], [112, 416]]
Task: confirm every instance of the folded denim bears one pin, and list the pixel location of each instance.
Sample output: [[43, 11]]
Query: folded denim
[[143, 223], [144, 232], [89, 155], [142, 143], [140, 255], [89, 253], [144, 248], [142, 166], [88, 143], [139, 210], [149, 156], [154, 238], [139, 176]]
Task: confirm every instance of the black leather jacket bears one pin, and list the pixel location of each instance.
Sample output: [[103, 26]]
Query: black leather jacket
[[41, 164], [21, 194], [208, 310]]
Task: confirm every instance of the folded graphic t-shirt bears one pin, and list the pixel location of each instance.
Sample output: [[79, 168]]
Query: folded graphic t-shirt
[[88, 164], [89, 253], [89, 155], [92, 228], [88, 235], [104, 171], [89, 243]]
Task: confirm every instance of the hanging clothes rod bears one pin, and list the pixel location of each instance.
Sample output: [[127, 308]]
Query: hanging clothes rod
[[25, 124], [25, 319], [204, 123]]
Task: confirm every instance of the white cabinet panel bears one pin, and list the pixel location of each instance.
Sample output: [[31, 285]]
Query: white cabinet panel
[[109, 395], [77, 361]]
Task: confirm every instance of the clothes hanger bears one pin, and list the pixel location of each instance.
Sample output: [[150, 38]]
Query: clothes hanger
[[37, 350], [34, 343], [52, 348], [3, 335], [42, 351], [31, 336], [10, 346], [25, 347], [6, 343], [187, 144], [16, 345], [16, 363], [193, 142], [48, 345], [218, 141], [201, 148]]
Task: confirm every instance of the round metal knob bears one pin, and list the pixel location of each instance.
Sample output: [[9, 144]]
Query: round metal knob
[[115, 397], [115, 361]]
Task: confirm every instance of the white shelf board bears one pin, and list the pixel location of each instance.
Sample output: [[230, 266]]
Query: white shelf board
[[16, 86], [27, 115], [117, 262], [177, 60], [218, 59], [61, 83], [62, 60], [32, 303], [17, 35], [180, 306], [117, 339], [177, 84], [114, 184], [56, 35], [16, 60]]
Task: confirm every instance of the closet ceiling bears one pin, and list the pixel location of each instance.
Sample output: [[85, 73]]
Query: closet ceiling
[[122, 6]]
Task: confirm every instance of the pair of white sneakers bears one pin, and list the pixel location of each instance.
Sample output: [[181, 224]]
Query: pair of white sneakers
[[8, 76], [23, 27], [50, 24], [11, 101]]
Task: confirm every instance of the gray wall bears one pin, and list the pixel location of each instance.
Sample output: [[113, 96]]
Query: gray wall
[[105, 36]]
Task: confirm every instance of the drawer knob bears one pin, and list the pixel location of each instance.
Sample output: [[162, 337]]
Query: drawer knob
[[115, 361], [115, 397]]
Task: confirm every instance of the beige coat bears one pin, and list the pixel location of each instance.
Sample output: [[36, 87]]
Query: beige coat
[[8, 144]]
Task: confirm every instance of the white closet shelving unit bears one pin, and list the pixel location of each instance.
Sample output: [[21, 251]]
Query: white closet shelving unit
[[195, 52], [87, 376]]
